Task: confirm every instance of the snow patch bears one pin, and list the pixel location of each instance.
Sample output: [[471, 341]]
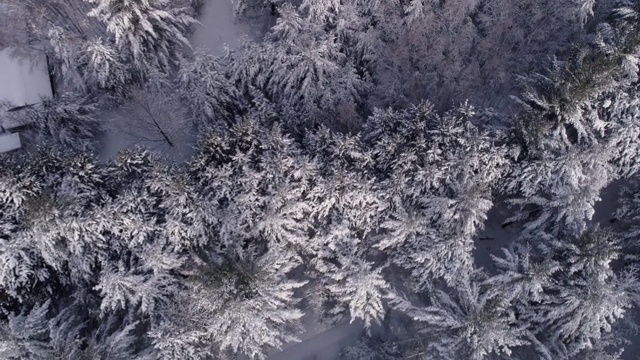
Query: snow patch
[[219, 28], [320, 346], [123, 131]]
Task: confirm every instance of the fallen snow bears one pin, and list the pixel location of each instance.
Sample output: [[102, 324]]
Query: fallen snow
[[494, 237], [218, 28], [324, 345], [124, 131]]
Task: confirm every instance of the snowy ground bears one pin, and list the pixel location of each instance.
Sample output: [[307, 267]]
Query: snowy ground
[[218, 28], [126, 131], [603, 215], [493, 237], [319, 345]]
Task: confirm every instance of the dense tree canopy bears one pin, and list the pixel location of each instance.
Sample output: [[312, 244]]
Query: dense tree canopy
[[349, 164]]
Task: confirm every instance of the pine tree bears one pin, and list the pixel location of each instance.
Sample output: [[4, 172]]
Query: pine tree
[[588, 308], [440, 172], [298, 66], [319, 10], [416, 8], [207, 91], [111, 336], [577, 127], [66, 121], [522, 277], [103, 67], [52, 244], [354, 286], [63, 54], [242, 308], [25, 335], [621, 108], [472, 323], [586, 10], [131, 290], [264, 173], [578, 297], [151, 32], [556, 195]]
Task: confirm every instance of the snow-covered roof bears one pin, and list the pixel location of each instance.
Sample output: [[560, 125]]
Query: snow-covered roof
[[9, 141], [23, 80]]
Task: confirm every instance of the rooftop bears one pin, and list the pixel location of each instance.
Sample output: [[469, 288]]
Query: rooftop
[[23, 80]]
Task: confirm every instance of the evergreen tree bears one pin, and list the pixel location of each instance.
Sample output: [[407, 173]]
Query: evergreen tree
[[103, 67], [522, 277], [441, 174], [260, 181], [355, 286], [472, 323], [207, 91], [298, 66], [151, 32], [242, 307], [25, 335], [66, 121], [556, 195], [567, 292]]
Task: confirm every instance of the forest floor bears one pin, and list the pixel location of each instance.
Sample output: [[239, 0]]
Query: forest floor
[[604, 210], [219, 28], [318, 343], [123, 131]]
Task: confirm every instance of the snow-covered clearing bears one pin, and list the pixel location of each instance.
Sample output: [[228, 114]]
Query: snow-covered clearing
[[127, 131], [218, 28], [319, 345]]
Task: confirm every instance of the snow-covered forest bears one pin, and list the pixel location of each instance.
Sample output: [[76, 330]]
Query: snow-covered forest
[[432, 171]]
